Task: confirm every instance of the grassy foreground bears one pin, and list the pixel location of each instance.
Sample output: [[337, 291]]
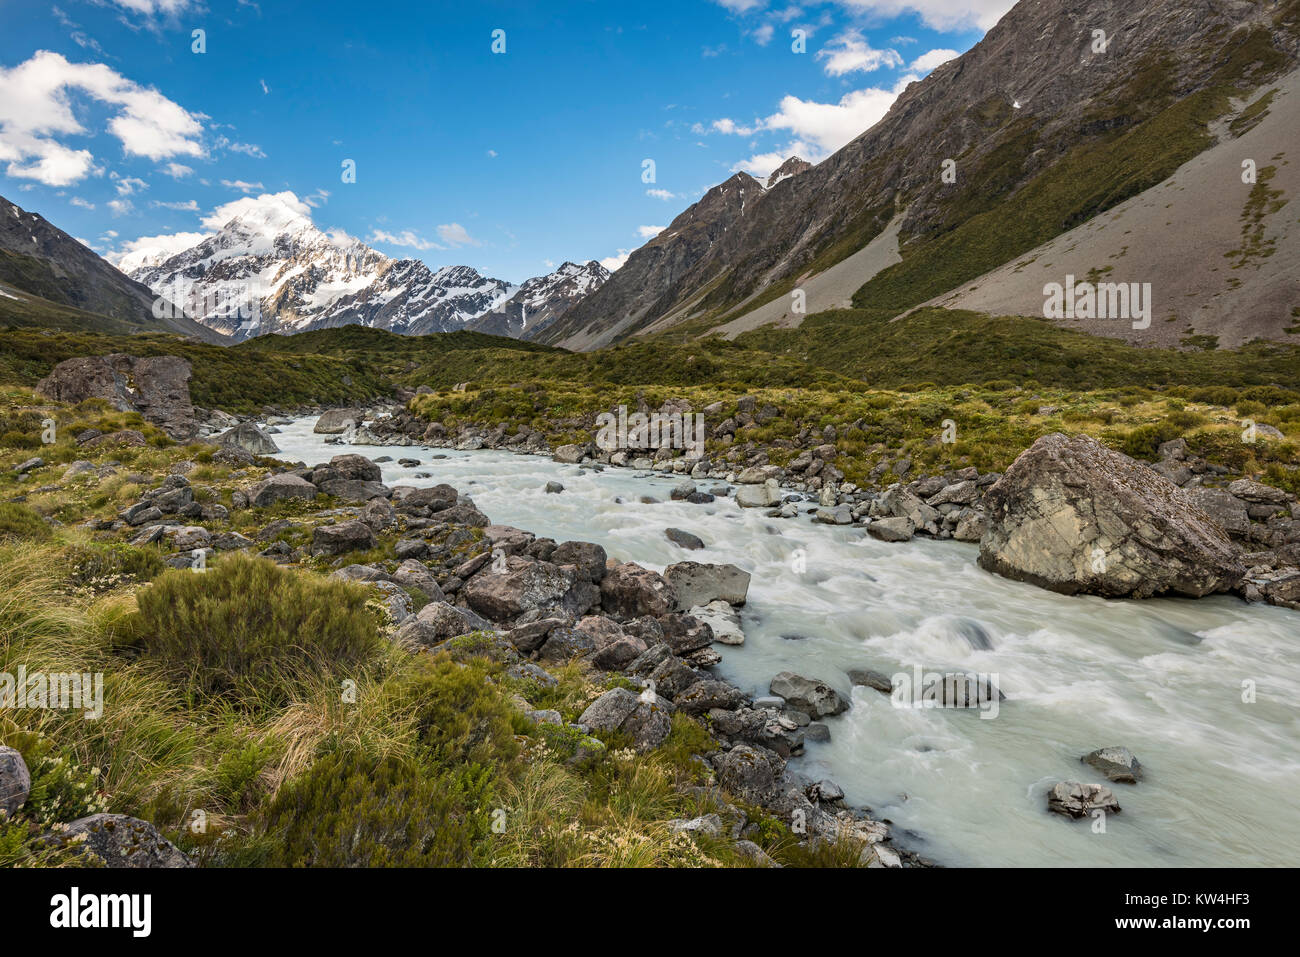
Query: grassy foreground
[[263, 715]]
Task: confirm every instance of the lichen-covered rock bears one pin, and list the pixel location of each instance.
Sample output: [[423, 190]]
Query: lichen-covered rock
[[506, 592], [124, 842], [277, 488], [344, 537], [15, 782], [696, 583], [1081, 800], [630, 590], [1118, 764], [1075, 517], [247, 436], [813, 697]]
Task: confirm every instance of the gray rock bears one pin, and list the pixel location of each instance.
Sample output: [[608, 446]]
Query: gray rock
[[524, 585], [278, 488], [610, 710], [722, 619], [588, 557], [683, 538], [758, 496], [436, 622], [709, 824], [125, 842], [871, 679], [15, 782], [893, 529], [554, 488], [1074, 517], [247, 436], [695, 583], [1118, 764], [815, 697], [1081, 800], [344, 537], [338, 421], [631, 591]]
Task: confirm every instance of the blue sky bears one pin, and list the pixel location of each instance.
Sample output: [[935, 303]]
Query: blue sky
[[114, 129]]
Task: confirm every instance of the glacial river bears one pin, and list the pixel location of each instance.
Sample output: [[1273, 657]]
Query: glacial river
[[1164, 678]]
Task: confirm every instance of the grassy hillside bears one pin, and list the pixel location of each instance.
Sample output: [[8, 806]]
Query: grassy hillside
[[951, 347], [238, 381]]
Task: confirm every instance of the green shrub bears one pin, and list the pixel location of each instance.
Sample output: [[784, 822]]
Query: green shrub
[[22, 521], [353, 811], [248, 625]]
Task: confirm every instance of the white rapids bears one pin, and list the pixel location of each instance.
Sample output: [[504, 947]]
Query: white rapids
[[1162, 677]]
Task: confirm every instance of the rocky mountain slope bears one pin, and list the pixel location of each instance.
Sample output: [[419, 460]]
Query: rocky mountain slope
[[271, 270], [42, 268], [541, 301], [1047, 126]]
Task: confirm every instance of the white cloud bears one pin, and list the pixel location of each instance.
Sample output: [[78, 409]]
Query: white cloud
[[763, 165], [265, 89], [404, 238], [83, 203], [649, 232], [937, 14], [242, 186], [731, 127], [492, 154], [318, 198], [612, 263], [928, 61], [851, 53], [454, 234], [828, 126], [154, 7], [128, 185], [137, 252], [763, 35], [248, 149], [121, 207], [660, 194], [281, 204], [35, 108], [182, 206], [177, 170]]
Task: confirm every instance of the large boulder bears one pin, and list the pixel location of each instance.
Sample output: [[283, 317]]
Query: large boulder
[[356, 467], [158, 387], [344, 537], [1073, 516], [1073, 799], [631, 591], [247, 436], [1118, 764], [815, 698], [277, 488], [436, 622], [338, 421], [435, 499], [588, 557], [123, 842], [698, 584], [524, 585]]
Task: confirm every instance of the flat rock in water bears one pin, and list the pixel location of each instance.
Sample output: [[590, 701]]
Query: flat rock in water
[[1118, 764]]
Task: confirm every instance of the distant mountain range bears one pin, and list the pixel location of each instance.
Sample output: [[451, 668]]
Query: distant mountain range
[[271, 270], [1062, 112], [1159, 153]]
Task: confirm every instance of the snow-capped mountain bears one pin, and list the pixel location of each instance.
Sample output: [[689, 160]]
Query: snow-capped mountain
[[541, 301], [271, 270]]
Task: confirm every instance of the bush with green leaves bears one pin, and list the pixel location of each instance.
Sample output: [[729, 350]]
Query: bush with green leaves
[[245, 627]]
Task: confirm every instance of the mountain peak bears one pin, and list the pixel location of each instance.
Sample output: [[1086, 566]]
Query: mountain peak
[[791, 167]]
